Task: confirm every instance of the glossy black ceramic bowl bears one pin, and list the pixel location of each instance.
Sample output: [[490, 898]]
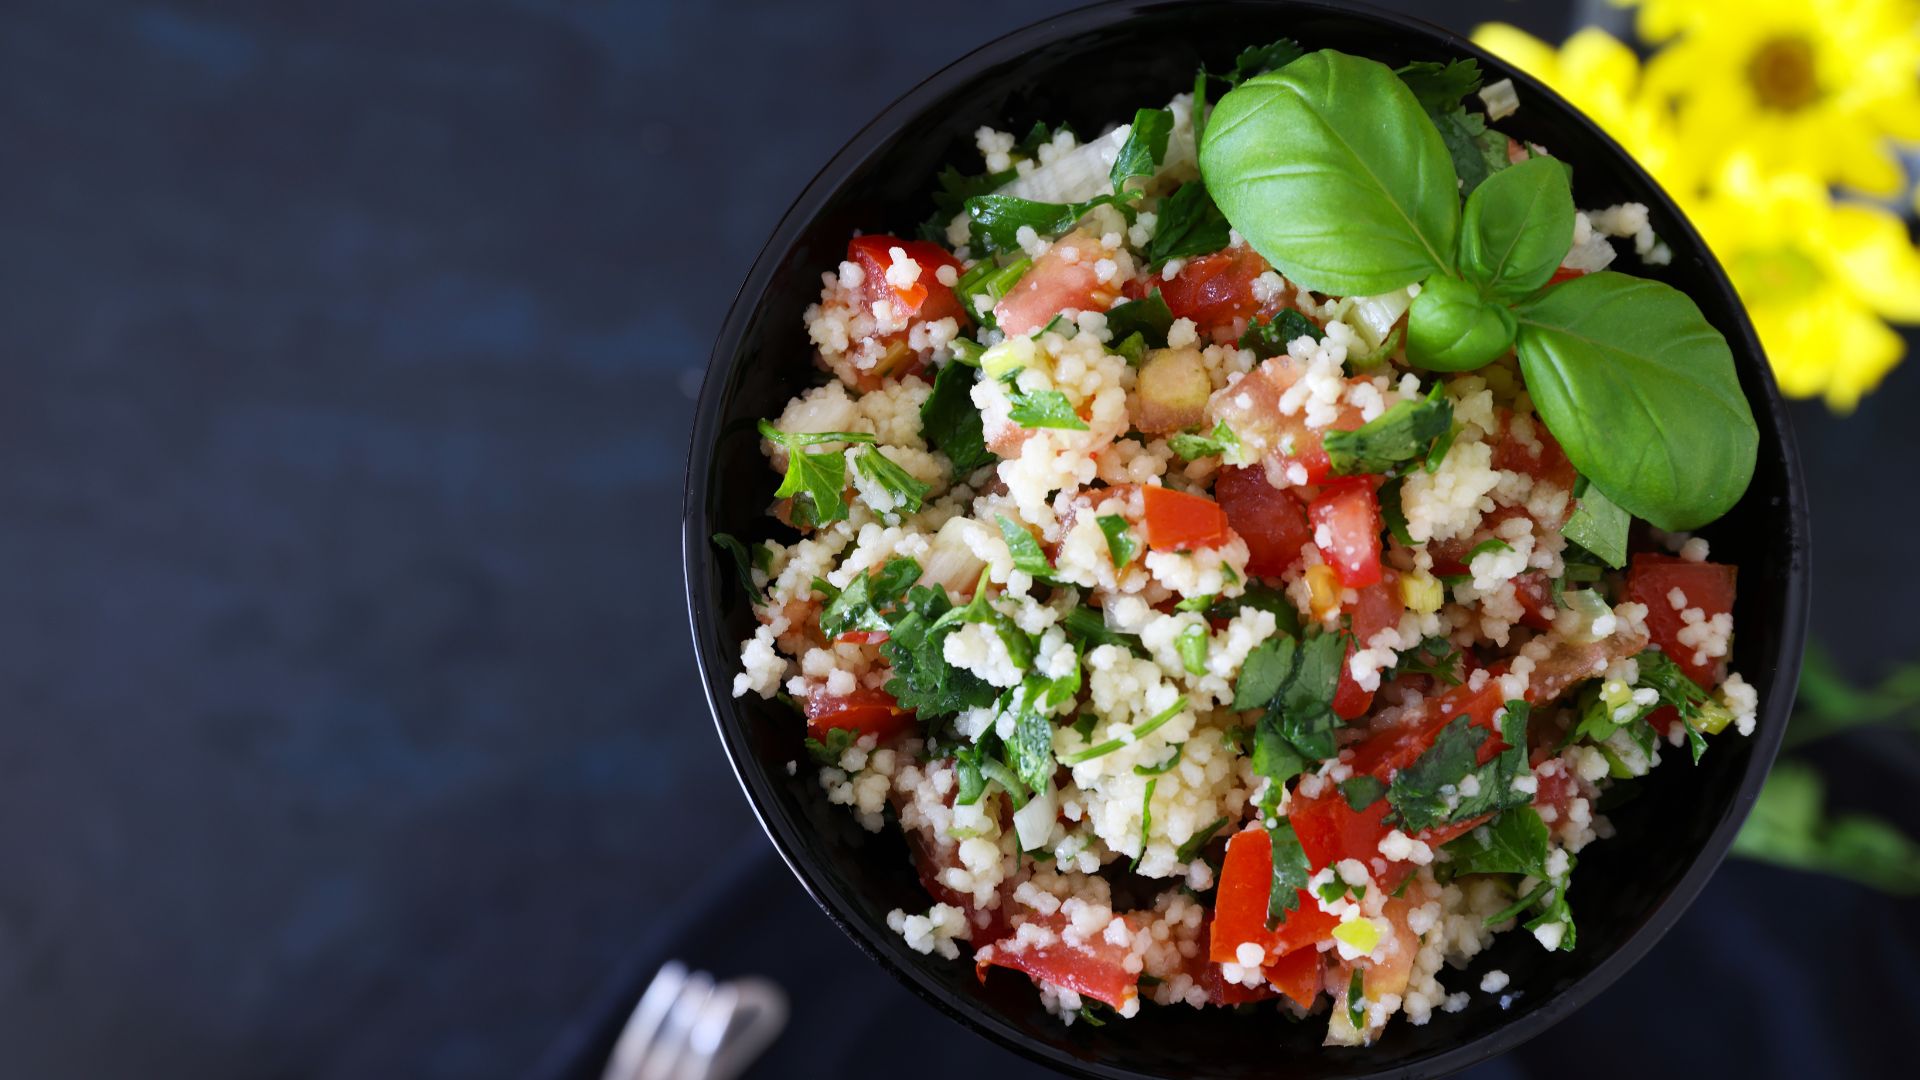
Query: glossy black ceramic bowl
[[1093, 67]]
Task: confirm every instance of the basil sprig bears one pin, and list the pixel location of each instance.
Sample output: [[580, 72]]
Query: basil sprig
[[1335, 171]]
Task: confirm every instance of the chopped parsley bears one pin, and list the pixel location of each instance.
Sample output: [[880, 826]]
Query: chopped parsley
[[1491, 544], [1361, 791], [1027, 556], [1120, 543], [1030, 749], [1040, 408], [816, 482], [1132, 348], [1516, 842], [1298, 677], [1192, 447], [980, 610], [1146, 816], [1258, 58], [743, 564], [1149, 317], [1598, 526], [950, 199], [907, 492], [922, 679], [1191, 848], [1428, 793], [863, 603], [1088, 624], [1434, 656], [1156, 770], [1145, 148], [1189, 225], [996, 220], [1392, 514], [1356, 1000], [950, 423], [1407, 432], [827, 751], [1290, 872], [1271, 337], [1477, 151], [1192, 645], [1286, 617]]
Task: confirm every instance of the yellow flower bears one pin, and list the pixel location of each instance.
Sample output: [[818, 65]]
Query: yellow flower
[[1817, 277], [1810, 86]]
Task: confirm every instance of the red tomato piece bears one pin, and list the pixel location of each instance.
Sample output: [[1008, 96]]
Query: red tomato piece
[[1094, 967], [1564, 274], [1550, 464], [1297, 975], [1215, 289], [1375, 608], [1707, 586], [1385, 752], [1535, 592], [1350, 512], [926, 298], [1240, 905], [1063, 279], [1271, 521], [1349, 701], [866, 710], [1177, 521]]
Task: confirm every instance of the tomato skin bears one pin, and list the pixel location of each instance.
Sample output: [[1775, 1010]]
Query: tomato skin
[[1212, 290], [1096, 968], [1350, 511], [867, 710], [1297, 974], [925, 299], [1708, 586], [1271, 521], [1063, 279], [1240, 905], [1177, 521]]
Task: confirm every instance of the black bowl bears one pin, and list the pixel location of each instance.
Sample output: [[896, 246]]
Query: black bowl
[[1093, 67]]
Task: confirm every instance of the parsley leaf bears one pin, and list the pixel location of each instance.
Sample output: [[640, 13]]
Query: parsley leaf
[[1361, 791], [922, 679], [1160, 769], [1149, 317], [981, 610], [1188, 224], [1429, 792], [1477, 150], [1434, 656], [1356, 999], [743, 566], [1146, 814], [996, 220], [951, 424], [1088, 624], [860, 605], [907, 492], [1486, 546], [1027, 556], [1401, 434], [1286, 617], [1271, 337], [827, 751], [1258, 58], [1198, 840], [950, 198], [1599, 526], [1191, 447], [1120, 543], [817, 483], [1440, 86], [1516, 842], [1290, 872], [1192, 644], [1298, 726], [1145, 148], [1392, 514], [1041, 408], [1030, 750]]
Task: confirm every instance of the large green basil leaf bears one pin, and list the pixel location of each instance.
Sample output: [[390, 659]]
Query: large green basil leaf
[[1517, 227], [1641, 392], [1451, 327], [1332, 171]]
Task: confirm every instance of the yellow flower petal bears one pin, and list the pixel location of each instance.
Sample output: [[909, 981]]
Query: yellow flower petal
[[1871, 254]]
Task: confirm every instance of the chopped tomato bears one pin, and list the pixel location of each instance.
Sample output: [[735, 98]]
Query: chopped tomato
[[1450, 556], [1391, 749], [1271, 521], [1240, 905], [1375, 608], [1095, 967], [1535, 592], [1297, 975], [866, 710], [1349, 701], [1330, 830], [1063, 279], [1350, 512], [926, 298], [1564, 274], [1177, 521], [1556, 790], [1708, 586], [1212, 290], [1251, 407], [1549, 463]]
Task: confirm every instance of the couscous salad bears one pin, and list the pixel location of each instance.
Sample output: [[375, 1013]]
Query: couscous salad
[[1239, 550]]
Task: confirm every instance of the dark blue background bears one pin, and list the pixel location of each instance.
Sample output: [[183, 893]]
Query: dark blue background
[[350, 729]]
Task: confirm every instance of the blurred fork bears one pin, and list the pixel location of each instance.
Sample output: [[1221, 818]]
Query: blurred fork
[[688, 1027]]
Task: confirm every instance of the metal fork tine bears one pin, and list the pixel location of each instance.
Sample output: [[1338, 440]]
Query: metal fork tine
[[670, 1048]]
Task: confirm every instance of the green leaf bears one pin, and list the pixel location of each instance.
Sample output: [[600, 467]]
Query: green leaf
[[742, 565], [1286, 617], [862, 604], [1517, 227], [1139, 731], [1332, 171], [1600, 527], [1516, 842], [997, 219], [1361, 791], [922, 679], [1027, 556], [1030, 750], [1146, 812], [1264, 672], [1199, 840], [1434, 656], [908, 493], [1120, 543], [1642, 394], [827, 751], [1272, 336], [1790, 827], [1357, 999], [1392, 513], [1133, 348], [1192, 644], [989, 280], [1428, 793], [1145, 148], [951, 424], [1087, 624], [1439, 86], [1400, 435], [1191, 446], [951, 195], [981, 610], [1188, 224], [1483, 547], [1149, 317], [1163, 767], [1042, 409], [1451, 327], [1290, 872], [1257, 59], [817, 483]]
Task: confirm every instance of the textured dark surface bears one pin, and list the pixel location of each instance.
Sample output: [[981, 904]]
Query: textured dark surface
[[351, 729]]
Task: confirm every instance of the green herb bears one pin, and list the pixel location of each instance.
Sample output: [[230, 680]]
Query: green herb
[[1041, 408], [1192, 644], [742, 564], [1271, 337], [1392, 513], [1476, 151], [1030, 750], [1286, 617], [1146, 816], [1188, 224], [1139, 731], [827, 751], [1357, 149], [1199, 112], [1616, 361], [1434, 656], [1395, 437], [1599, 526], [966, 351], [1120, 543], [1451, 326], [1332, 891], [1427, 793], [1262, 58], [991, 281], [1027, 556], [997, 219], [1264, 672], [1059, 324], [950, 423], [922, 679], [824, 589], [1440, 447], [1789, 827], [1298, 726], [950, 199], [1133, 348], [817, 483], [1517, 227], [970, 780], [861, 604], [980, 610], [1149, 317], [1198, 840], [1362, 791], [1290, 872], [1356, 1000], [1037, 136], [1516, 842], [1191, 447], [1439, 86], [1156, 770], [1145, 148], [1087, 624], [1490, 544], [907, 492]]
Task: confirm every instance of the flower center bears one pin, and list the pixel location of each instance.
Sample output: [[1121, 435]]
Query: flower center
[[1782, 74]]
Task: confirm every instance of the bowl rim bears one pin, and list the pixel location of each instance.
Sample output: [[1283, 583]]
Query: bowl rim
[[700, 564]]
